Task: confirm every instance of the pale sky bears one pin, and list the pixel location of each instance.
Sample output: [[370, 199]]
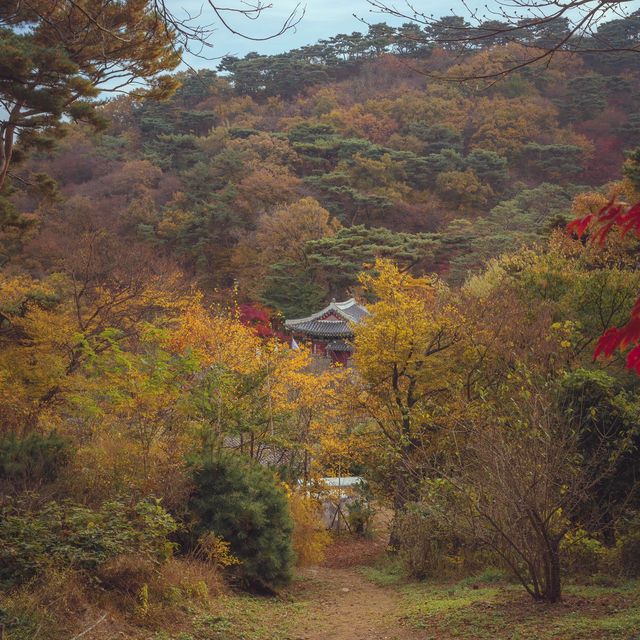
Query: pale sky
[[322, 19]]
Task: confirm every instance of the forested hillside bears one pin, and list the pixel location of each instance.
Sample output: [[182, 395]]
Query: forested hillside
[[284, 174]]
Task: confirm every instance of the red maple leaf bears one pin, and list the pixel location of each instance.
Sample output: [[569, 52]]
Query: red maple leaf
[[633, 360], [601, 223], [631, 220], [579, 225]]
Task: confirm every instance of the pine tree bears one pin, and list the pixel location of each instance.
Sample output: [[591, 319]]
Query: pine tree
[[240, 501], [57, 55]]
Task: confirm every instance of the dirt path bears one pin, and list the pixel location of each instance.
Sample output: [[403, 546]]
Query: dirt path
[[343, 604], [347, 606]]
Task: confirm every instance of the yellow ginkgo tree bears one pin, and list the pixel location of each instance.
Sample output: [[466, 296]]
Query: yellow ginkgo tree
[[405, 378], [250, 390]]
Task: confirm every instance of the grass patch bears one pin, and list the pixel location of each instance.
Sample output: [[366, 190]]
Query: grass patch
[[246, 617], [444, 608], [492, 575], [505, 612], [183, 600], [386, 573]]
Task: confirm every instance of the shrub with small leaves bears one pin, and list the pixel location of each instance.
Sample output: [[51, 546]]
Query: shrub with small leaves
[[68, 534], [215, 550], [581, 554], [361, 511], [429, 548], [627, 551]]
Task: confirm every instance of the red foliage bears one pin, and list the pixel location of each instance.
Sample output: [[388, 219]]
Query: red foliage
[[627, 219], [612, 214], [257, 317]]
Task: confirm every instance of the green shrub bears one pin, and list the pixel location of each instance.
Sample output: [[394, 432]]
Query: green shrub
[[19, 627], [361, 511], [627, 553], [491, 575], [72, 535], [420, 549], [33, 459], [240, 501], [581, 554], [429, 547]]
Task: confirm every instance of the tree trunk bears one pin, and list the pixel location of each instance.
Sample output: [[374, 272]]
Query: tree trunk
[[553, 588], [6, 143], [608, 530], [400, 499]]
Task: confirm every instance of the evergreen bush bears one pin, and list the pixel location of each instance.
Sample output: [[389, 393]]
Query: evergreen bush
[[240, 501], [34, 459]]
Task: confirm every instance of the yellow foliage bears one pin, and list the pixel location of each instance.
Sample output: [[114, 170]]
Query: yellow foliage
[[463, 189], [232, 107], [405, 354], [310, 538], [368, 173], [439, 104], [587, 203], [215, 550], [506, 125], [282, 232], [262, 149], [410, 327], [215, 338], [136, 396]]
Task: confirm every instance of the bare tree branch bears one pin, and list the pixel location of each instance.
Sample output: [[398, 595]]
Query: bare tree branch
[[546, 27]]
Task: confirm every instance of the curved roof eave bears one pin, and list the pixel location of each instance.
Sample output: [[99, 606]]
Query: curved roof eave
[[341, 309]]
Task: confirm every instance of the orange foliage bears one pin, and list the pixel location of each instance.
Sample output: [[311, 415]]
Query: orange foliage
[[505, 125], [357, 123]]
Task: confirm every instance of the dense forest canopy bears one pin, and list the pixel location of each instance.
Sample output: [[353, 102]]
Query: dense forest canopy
[[259, 173], [151, 249], [578, 26]]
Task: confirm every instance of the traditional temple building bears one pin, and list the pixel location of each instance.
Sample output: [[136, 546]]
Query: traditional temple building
[[330, 330]]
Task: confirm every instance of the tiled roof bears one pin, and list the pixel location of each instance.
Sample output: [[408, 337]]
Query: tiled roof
[[265, 454], [349, 311], [356, 312], [339, 345], [324, 328]]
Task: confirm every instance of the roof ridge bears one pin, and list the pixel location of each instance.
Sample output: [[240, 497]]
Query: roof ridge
[[340, 308]]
